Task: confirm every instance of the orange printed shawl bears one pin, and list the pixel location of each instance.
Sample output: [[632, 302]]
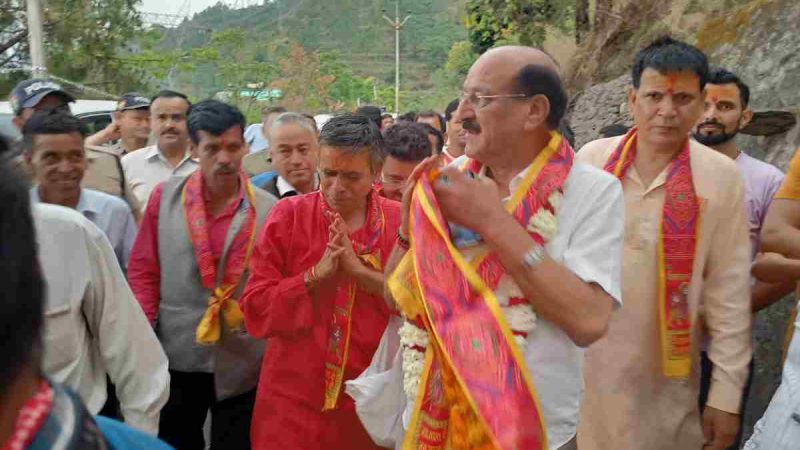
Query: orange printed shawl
[[220, 304], [339, 339], [676, 249], [475, 391]]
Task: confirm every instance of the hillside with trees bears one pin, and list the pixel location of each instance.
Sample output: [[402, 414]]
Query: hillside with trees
[[322, 56]]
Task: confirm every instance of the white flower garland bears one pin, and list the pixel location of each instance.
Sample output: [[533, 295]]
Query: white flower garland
[[521, 318], [414, 341]]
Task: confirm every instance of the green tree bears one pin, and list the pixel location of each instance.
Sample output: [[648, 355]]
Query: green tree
[[304, 86], [525, 22], [83, 40]]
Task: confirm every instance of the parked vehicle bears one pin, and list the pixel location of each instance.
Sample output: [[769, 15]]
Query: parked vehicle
[[95, 114]]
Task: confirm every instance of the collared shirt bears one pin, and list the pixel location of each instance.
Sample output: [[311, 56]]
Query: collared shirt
[[285, 189], [254, 136], [93, 324], [628, 402], [110, 214], [779, 428], [145, 273], [588, 242], [761, 182], [146, 168]]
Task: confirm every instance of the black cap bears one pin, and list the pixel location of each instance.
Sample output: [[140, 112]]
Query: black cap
[[132, 100], [28, 93]]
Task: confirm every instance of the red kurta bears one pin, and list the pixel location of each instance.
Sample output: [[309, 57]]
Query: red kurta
[[288, 412]]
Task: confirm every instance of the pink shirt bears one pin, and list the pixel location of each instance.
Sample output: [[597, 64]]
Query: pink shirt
[[761, 182]]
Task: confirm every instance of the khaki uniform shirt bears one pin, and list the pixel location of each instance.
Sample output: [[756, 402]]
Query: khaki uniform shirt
[[628, 403], [257, 163], [105, 174]]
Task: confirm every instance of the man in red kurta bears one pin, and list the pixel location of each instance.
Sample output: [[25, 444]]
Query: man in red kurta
[[316, 293]]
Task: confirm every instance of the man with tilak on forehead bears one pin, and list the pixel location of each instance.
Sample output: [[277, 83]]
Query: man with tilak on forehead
[[686, 250]]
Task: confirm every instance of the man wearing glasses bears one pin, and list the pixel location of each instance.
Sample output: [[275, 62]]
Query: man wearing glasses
[[497, 311]]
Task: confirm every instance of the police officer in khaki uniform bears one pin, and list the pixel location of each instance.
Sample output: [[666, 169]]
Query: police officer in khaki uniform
[[130, 129], [104, 172], [257, 163]]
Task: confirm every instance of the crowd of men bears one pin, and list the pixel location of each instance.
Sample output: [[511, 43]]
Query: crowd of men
[[462, 280]]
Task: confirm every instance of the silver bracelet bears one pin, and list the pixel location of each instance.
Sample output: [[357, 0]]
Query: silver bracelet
[[534, 256]]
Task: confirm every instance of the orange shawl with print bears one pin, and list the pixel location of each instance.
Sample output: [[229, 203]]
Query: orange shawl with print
[[475, 391], [221, 305], [339, 339], [676, 248]]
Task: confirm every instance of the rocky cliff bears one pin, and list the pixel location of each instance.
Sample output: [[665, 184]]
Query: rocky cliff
[[756, 39]]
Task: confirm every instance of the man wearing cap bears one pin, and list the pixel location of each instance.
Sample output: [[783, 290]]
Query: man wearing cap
[[130, 127], [104, 172]]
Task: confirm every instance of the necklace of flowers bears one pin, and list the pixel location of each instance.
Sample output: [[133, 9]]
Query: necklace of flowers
[[519, 314]]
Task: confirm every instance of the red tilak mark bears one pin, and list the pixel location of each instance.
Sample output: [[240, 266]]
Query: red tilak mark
[[671, 80], [714, 98]]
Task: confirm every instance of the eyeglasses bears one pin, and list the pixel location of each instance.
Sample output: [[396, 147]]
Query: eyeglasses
[[480, 101]]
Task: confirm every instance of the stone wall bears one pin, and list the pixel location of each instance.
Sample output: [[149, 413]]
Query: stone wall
[[759, 42]]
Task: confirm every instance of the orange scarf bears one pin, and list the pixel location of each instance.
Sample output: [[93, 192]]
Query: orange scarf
[[680, 220], [221, 302], [475, 391], [341, 324]]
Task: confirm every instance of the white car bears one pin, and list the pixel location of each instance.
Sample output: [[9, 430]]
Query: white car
[[95, 114]]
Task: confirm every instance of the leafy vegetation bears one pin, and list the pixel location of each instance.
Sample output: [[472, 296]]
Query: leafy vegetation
[[320, 55], [83, 41]]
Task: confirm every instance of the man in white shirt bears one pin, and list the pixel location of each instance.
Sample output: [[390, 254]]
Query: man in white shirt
[[53, 149], [93, 323], [146, 168], [552, 267]]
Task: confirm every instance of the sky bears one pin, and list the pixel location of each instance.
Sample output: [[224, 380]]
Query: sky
[[195, 6]]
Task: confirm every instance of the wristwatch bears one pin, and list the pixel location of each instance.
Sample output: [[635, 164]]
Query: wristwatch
[[534, 256]]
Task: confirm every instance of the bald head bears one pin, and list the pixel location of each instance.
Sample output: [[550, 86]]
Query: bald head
[[521, 56], [512, 98], [524, 70]]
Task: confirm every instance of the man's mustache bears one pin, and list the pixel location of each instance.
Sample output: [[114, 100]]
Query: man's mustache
[[712, 123], [225, 170], [471, 126]]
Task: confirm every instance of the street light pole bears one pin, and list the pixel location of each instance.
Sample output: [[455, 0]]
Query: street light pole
[[36, 38], [396, 24]]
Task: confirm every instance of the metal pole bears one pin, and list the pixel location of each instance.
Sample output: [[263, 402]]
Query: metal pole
[[397, 58], [36, 39], [396, 24]]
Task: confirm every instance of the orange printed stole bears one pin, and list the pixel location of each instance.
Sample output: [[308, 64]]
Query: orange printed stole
[[475, 391], [346, 291], [680, 219], [220, 304]]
